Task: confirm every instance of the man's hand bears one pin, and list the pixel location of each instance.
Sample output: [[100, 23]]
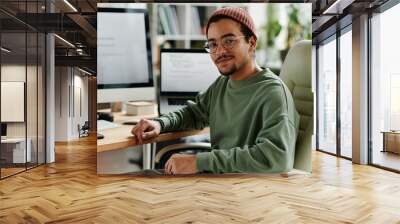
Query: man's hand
[[145, 130], [181, 164]]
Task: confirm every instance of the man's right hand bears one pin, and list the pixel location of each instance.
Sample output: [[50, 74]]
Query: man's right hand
[[145, 130]]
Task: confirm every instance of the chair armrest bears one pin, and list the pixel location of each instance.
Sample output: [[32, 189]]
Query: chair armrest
[[200, 145]]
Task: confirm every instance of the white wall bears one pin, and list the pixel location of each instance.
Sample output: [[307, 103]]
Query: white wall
[[33, 126], [71, 93], [12, 73], [61, 103], [80, 102]]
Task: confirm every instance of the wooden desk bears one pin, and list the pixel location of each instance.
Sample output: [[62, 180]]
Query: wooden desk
[[121, 137]]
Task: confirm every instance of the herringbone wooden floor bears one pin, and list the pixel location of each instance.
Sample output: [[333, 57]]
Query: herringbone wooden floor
[[69, 191]]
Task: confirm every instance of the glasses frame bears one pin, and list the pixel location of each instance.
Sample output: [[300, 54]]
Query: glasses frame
[[223, 44]]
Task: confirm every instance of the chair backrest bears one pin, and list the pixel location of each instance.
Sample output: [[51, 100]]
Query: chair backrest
[[296, 74], [86, 125]]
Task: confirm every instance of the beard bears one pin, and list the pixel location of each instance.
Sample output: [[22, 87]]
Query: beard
[[232, 70], [228, 71]]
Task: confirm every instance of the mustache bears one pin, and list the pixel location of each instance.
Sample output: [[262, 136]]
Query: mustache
[[223, 57]]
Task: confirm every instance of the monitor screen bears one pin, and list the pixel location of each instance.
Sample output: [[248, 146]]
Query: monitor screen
[[123, 48], [186, 71]]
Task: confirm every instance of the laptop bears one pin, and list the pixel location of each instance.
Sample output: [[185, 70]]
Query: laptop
[[183, 74]]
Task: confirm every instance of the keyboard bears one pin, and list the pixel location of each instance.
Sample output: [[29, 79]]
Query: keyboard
[[103, 125], [178, 101]]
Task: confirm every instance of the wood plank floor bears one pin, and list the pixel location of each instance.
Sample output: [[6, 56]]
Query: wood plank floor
[[69, 191], [10, 171]]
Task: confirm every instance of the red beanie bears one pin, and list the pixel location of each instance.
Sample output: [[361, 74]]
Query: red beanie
[[238, 14]]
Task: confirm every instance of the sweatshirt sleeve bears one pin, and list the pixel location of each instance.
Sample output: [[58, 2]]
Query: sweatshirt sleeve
[[273, 151], [194, 115]]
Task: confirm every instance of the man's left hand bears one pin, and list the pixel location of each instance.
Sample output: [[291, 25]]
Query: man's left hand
[[181, 164]]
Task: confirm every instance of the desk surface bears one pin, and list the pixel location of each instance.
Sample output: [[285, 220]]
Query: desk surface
[[14, 140], [390, 132], [121, 137]]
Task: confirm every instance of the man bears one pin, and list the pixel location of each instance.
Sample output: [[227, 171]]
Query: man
[[252, 118]]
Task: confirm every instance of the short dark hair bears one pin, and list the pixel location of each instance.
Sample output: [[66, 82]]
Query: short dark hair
[[244, 29]]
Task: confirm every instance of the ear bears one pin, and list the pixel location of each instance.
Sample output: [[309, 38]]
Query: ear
[[253, 44]]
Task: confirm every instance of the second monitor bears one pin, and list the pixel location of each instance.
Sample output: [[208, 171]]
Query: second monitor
[[184, 73], [124, 62]]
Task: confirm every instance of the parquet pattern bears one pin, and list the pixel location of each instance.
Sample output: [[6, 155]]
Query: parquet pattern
[[69, 191]]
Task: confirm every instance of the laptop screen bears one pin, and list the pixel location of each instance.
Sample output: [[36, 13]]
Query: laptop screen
[[186, 71]]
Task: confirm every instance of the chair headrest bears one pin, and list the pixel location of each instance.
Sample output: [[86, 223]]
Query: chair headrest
[[297, 65]]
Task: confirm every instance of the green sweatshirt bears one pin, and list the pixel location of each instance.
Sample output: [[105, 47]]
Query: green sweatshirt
[[253, 124]]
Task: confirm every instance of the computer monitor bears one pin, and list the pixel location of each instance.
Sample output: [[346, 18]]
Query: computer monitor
[[124, 56], [186, 71], [3, 129]]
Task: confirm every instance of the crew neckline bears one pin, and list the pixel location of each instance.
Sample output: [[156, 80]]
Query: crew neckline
[[244, 82]]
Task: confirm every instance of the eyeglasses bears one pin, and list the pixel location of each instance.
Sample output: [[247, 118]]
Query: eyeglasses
[[226, 42]]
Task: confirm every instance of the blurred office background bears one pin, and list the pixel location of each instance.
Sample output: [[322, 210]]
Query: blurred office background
[[279, 26]]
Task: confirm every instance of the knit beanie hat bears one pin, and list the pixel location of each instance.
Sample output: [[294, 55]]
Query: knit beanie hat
[[238, 14]]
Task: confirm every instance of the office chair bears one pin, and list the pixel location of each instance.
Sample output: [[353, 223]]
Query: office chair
[[84, 129], [163, 155], [296, 74]]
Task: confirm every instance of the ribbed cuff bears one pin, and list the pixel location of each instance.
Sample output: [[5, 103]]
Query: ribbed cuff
[[164, 123], [203, 161]]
